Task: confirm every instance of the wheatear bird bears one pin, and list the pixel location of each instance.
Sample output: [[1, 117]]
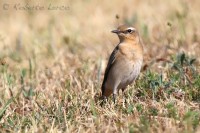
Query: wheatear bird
[[124, 63]]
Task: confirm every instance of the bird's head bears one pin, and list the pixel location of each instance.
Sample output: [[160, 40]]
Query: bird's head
[[126, 33]]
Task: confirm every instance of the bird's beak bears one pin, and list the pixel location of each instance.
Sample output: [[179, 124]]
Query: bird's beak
[[115, 31]]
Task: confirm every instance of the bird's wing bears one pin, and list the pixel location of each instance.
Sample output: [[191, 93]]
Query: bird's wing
[[109, 66]]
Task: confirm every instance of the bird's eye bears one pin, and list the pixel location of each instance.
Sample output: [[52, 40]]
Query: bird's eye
[[129, 30]]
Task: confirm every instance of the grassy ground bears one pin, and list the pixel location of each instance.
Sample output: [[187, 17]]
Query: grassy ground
[[53, 61]]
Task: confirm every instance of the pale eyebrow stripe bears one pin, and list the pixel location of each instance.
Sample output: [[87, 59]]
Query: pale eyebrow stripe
[[131, 28]]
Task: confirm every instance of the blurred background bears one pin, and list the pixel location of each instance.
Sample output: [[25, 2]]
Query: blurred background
[[81, 31], [64, 37]]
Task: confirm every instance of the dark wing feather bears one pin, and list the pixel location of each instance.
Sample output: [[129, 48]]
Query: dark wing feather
[[109, 66]]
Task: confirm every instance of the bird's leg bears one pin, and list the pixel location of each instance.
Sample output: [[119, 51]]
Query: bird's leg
[[114, 97], [124, 95], [103, 98]]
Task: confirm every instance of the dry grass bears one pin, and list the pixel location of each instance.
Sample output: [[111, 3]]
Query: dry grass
[[52, 65]]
